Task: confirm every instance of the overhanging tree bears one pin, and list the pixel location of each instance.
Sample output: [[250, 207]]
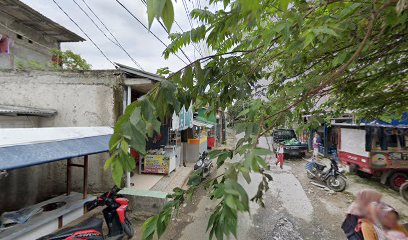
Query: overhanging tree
[[290, 57]]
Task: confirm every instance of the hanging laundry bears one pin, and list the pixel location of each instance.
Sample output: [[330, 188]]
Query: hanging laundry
[[5, 44]]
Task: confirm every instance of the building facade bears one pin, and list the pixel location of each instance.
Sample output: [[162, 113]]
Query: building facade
[[27, 37]]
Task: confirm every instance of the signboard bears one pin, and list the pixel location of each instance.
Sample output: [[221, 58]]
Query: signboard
[[156, 164]]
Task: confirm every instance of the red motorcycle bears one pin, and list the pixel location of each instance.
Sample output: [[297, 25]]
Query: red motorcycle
[[115, 217]]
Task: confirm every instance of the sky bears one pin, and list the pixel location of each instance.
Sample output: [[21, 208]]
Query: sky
[[139, 42]]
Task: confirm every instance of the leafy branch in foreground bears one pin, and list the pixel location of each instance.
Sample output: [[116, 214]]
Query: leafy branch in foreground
[[288, 58]]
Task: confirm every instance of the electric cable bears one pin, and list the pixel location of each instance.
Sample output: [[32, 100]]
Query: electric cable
[[73, 21], [97, 26], [141, 23]]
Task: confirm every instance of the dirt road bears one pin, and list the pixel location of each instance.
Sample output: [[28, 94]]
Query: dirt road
[[294, 208]]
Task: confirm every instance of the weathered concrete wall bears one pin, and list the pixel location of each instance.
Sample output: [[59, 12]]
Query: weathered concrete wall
[[29, 47], [19, 122], [89, 98]]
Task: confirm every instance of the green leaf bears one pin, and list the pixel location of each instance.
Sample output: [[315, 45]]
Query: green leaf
[[221, 158], [325, 30], [245, 174], [214, 153], [168, 15], [262, 151], [108, 162], [187, 78], [243, 113], [148, 227], [114, 141], [230, 201], [284, 4], [117, 172], [151, 11]]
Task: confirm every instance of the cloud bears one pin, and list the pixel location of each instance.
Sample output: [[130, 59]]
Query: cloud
[[139, 42]]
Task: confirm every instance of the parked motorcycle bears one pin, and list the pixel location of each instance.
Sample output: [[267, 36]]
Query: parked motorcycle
[[332, 177], [115, 217], [404, 190], [203, 165]]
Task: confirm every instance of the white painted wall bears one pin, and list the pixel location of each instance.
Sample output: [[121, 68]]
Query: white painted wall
[[353, 141]]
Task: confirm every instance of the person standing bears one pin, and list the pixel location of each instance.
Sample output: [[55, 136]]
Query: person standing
[[280, 158], [316, 144]]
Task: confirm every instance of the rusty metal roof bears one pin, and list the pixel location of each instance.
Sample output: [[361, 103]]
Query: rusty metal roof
[[25, 15], [10, 110]]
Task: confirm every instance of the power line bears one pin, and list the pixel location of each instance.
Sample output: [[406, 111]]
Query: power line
[[72, 20], [178, 25], [141, 23], [97, 26], [191, 22], [199, 46]]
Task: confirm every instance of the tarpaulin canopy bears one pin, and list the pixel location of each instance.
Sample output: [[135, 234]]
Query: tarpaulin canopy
[[24, 147], [202, 124]]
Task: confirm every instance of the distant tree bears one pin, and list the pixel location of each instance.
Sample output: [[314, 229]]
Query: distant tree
[[67, 60]]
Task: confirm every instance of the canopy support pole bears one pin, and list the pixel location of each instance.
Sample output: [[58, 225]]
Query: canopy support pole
[[69, 176], [85, 178]]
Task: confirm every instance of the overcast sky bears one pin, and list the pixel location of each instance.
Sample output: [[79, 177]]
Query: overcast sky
[[141, 44]]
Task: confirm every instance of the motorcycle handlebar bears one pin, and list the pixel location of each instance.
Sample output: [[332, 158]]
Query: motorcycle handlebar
[[105, 198], [92, 204]]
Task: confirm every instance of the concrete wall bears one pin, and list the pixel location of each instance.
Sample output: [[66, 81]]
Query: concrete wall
[[32, 46], [19, 122], [88, 98]]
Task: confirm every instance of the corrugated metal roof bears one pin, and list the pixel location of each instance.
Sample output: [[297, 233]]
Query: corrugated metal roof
[[24, 111], [29, 17], [139, 73], [202, 124], [37, 149]]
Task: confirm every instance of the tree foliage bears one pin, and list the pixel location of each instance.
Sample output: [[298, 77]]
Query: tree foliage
[[68, 60], [292, 58]]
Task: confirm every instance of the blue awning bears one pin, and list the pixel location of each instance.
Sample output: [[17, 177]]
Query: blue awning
[[26, 154]]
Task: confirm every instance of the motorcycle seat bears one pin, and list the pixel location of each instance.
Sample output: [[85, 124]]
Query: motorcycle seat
[[320, 166], [92, 223]]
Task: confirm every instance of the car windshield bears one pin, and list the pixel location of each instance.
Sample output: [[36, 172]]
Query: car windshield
[[285, 133]]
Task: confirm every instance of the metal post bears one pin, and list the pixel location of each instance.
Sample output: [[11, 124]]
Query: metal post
[[85, 183], [129, 101], [60, 222], [68, 176]]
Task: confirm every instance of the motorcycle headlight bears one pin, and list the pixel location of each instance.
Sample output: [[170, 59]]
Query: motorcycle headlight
[[199, 163]]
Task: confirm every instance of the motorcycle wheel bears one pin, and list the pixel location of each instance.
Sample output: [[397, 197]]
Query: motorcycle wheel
[[337, 184], [128, 229], [404, 191], [309, 175]]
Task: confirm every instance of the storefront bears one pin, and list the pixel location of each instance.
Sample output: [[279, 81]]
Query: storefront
[[164, 150], [195, 141]]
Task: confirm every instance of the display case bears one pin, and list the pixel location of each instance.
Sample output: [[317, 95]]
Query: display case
[[159, 161]]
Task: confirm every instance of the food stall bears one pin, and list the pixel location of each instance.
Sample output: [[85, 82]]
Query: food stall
[[164, 152], [211, 138], [375, 149], [196, 141], [161, 161]]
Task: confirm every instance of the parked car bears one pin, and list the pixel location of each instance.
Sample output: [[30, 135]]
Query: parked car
[[292, 146]]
